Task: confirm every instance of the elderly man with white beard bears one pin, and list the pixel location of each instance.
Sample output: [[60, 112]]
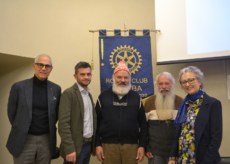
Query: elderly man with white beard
[[161, 110], [121, 122]]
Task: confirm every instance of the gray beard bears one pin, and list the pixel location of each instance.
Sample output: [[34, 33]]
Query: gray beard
[[121, 90], [165, 104]]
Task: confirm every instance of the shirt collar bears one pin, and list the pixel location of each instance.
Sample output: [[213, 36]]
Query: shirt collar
[[82, 89]]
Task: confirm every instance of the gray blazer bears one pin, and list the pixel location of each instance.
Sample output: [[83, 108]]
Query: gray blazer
[[71, 118], [20, 114]]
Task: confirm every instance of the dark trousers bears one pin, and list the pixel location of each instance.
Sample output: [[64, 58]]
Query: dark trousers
[[159, 160], [84, 156]]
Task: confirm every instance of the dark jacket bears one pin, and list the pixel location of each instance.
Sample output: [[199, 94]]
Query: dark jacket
[[20, 114], [71, 121], [208, 132], [120, 124]]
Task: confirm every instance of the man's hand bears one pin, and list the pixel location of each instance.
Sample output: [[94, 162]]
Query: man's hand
[[172, 162], [140, 154], [99, 153], [94, 152], [149, 155], [71, 157]]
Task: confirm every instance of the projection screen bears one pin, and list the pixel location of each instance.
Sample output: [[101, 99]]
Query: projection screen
[[192, 30]]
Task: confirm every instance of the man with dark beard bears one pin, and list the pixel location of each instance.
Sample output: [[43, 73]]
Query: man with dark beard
[[120, 115], [161, 110]]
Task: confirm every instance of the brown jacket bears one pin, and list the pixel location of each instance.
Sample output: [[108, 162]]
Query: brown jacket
[[150, 103], [161, 132], [71, 118]]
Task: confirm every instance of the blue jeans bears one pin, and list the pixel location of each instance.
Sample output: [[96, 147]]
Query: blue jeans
[[84, 156]]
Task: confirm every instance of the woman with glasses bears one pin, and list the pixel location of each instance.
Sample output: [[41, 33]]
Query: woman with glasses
[[199, 123]]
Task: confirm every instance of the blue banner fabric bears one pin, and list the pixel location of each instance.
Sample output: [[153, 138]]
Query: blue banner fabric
[[117, 32], [132, 32], [135, 52], [145, 32], [102, 32]]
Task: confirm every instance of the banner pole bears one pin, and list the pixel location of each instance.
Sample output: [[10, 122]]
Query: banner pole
[[92, 64], [125, 29]]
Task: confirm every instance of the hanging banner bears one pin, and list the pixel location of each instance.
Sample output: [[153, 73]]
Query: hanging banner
[[135, 52]]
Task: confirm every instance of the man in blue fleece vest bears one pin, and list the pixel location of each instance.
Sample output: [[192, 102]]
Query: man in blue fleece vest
[[121, 122]]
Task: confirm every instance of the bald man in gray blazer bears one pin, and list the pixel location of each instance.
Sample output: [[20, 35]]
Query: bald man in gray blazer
[[33, 113]]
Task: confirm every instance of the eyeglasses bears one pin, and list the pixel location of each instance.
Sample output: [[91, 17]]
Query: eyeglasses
[[40, 65], [190, 81]]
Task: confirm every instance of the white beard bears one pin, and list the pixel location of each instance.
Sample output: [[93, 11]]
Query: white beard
[[121, 90], [165, 104]]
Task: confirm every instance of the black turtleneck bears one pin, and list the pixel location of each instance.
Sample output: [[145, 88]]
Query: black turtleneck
[[40, 121]]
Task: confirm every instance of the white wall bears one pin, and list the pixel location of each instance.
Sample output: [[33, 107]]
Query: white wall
[[14, 72]]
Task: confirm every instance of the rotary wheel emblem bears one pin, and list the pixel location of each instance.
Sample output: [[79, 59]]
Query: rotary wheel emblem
[[128, 55]]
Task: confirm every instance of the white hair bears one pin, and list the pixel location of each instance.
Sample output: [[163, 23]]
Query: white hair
[[121, 90], [196, 71], [165, 102], [168, 75], [36, 59]]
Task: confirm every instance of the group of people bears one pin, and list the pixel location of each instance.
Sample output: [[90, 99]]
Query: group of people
[[119, 129]]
